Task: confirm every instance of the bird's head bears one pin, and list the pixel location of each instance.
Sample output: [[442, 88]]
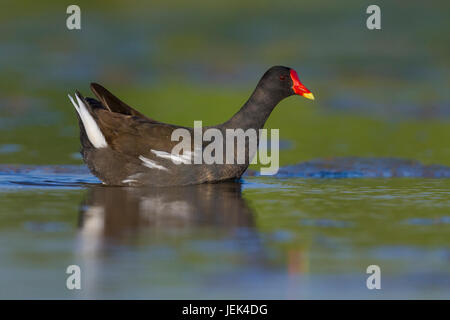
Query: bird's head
[[285, 81]]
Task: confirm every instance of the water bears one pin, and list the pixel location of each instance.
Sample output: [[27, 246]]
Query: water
[[257, 238]]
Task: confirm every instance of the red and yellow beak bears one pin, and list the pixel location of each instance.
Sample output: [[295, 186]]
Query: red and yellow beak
[[298, 87]]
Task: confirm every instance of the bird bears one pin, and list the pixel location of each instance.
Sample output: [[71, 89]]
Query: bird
[[123, 147]]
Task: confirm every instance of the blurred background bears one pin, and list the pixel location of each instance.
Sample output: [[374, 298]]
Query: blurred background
[[381, 93]]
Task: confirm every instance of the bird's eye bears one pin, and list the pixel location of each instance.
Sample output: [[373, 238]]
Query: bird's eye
[[282, 78]]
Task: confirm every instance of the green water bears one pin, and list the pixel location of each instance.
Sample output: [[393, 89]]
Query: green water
[[378, 94], [264, 238]]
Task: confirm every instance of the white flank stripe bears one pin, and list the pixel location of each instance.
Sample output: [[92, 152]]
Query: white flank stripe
[[93, 132], [186, 159], [151, 164], [129, 181], [133, 178]]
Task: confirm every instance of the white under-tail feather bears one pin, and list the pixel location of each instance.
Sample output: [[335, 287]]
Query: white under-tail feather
[[93, 132]]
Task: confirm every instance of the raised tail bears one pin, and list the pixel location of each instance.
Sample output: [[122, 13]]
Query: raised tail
[[112, 103]]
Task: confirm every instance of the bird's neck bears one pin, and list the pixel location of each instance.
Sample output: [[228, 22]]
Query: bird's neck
[[255, 111]]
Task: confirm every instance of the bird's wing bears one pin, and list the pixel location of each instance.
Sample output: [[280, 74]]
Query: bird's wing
[[133, 135]]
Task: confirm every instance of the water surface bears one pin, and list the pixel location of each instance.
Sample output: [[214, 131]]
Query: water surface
[[276, 237]]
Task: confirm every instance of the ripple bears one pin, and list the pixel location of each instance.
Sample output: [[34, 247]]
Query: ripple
[[66, 176], [355, 167]]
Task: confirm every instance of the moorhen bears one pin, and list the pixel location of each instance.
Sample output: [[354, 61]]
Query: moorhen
[[123, 147]]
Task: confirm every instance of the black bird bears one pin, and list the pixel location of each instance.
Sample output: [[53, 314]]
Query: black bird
[[121, 146]]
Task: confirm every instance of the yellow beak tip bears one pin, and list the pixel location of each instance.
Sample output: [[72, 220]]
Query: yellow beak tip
[[309, 96]]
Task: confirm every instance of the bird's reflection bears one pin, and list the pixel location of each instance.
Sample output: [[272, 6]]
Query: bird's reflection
[[131, 217], [202, 232], [112, 211]]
